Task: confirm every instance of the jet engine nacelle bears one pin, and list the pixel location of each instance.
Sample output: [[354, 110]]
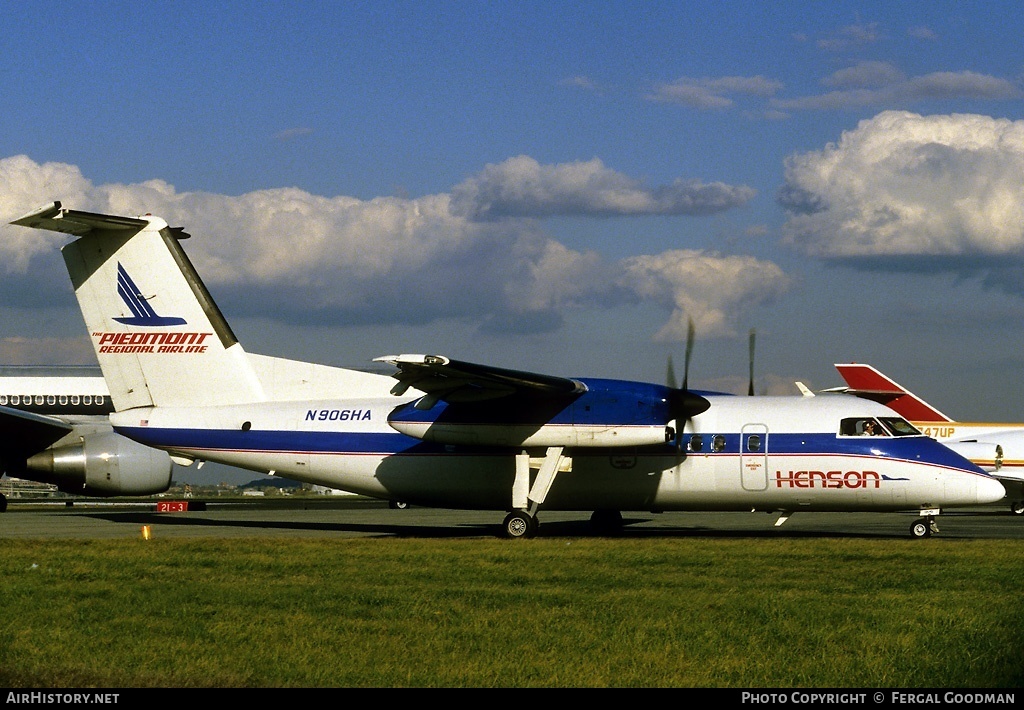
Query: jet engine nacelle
[[987, 455], [102, 464]]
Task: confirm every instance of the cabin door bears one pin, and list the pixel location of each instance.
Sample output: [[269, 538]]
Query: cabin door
[[754, 457]]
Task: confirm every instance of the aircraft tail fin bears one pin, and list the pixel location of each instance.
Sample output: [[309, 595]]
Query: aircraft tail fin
[[865, 381], [159, 337]]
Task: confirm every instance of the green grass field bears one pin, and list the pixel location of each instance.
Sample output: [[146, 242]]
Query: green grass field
[[493, 613]]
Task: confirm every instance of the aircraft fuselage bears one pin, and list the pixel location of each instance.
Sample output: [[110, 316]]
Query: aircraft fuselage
[[783, 454]]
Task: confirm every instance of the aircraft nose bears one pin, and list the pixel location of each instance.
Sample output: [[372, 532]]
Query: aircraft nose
[[990, 490]]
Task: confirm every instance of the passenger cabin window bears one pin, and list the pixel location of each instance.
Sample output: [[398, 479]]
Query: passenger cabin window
[[753, 442], [696, 443], [717, 443]]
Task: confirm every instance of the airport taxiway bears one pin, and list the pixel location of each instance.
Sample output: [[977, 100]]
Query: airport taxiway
[[358, 517]]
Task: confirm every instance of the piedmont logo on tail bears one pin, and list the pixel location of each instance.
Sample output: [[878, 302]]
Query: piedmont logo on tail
[[443, 432], [143, 313], [108, 342]]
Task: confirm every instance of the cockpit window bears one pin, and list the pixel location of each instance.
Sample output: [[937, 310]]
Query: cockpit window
[[900, 426], [862, 426]]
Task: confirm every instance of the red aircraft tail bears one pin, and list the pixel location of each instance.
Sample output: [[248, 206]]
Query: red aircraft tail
[[865, 381]]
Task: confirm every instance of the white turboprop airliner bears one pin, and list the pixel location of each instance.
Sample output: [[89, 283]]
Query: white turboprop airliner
[[54, 428], [445, 433], [997, 447]]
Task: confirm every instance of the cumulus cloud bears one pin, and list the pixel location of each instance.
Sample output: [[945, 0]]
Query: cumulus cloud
[[522, 187], [942, 190], [705, 286], [287, 254]]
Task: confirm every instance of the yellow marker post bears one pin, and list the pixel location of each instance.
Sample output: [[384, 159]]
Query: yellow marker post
[[145, 532]]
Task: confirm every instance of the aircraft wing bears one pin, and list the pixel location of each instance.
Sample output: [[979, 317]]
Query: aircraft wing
[[442, 378], [23, 434]]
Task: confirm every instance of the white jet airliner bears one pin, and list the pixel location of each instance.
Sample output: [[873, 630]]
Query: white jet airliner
[[445, 433], [54, 429]]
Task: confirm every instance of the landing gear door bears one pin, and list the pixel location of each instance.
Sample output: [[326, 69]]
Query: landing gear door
[[754, 457]]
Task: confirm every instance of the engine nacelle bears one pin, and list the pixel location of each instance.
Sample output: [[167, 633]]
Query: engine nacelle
[[578, 436], [102, 464], [988, 456]]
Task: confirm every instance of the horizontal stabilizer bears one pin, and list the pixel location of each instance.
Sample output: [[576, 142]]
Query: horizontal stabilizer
[[55, 219]]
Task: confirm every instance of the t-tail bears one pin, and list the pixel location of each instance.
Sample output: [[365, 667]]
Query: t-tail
[[159, 337], [866, 381]]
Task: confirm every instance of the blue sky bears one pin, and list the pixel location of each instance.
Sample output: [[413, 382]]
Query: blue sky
[[553, 186]]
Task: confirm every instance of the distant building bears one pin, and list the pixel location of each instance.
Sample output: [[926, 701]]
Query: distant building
[[325, 491], [18, 488]]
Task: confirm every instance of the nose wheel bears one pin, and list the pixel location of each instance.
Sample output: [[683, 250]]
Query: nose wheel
[[924, 527]]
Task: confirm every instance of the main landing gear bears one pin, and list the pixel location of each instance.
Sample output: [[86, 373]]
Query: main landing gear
[[3, 503], [526, 498], [519, 523]]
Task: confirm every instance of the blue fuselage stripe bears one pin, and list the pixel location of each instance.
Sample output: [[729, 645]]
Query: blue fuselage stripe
[[917, 449]]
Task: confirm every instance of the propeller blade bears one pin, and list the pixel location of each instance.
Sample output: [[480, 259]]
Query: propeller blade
[[689, 352], [750, 390], [670, 375], [683, 404]]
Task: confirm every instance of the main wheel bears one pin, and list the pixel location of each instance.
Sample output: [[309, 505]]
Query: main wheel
[[921, 528], [1017, 507], [519, 524], [606, 522], [3, 503], [398, 504]]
